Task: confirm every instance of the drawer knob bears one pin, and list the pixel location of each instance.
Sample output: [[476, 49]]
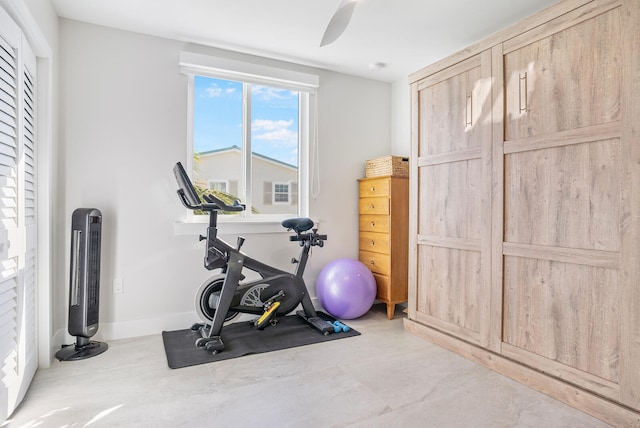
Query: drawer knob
[[373, 189], [373, 242], [373, 223], [371, 206], [372, 263]]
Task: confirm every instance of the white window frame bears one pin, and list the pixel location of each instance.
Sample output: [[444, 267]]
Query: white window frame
[[273, 192], [306, 85]]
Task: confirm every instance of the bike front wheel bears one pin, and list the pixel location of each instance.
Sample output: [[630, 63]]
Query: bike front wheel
[[207, 299], [208, 296]]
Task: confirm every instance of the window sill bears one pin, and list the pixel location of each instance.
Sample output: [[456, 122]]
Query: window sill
[[231, 227]]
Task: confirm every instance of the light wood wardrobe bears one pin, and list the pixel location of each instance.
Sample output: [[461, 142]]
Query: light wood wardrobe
[[525, 205]]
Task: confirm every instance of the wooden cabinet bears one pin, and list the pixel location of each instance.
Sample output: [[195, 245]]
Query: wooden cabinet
[[525, 226], [383, 206]]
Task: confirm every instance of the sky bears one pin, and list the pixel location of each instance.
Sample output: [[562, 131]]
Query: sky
[[218, 118]]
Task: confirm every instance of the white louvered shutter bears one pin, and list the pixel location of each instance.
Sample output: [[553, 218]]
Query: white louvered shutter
[[18, 331], [28, 346], [8, 219]]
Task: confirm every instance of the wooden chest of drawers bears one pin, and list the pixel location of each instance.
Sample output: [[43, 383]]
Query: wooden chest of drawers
[[384, 231]]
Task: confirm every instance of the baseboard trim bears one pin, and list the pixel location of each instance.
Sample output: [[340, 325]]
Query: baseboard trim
[[583, 400], [145, 327], [149, 326]]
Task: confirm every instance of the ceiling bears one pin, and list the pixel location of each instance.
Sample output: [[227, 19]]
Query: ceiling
[[406, 35]]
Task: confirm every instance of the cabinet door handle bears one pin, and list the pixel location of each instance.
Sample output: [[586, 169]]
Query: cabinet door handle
[[468, 110], [522, 92]]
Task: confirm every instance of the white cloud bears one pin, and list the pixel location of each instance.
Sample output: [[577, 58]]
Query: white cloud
[[270, 125], [275, 131], [269, 93], [214, 91]]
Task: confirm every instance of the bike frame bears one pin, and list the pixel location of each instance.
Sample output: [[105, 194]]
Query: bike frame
[[236, 261], [221, 255]]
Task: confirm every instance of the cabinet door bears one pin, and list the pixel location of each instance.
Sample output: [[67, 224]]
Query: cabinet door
[[565, 203], [453, 181], [564, 76]]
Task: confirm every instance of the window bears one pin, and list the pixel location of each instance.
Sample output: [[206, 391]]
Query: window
[[280, 193], [220, 186], [249, 129]]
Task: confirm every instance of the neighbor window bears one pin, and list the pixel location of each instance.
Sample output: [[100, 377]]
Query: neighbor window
[[250, 135], [218, 185], [281, 193]]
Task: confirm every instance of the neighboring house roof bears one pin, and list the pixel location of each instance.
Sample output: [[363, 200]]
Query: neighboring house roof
[[235, 148]]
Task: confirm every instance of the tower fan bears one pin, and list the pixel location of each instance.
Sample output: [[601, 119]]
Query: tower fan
[[84, 293]]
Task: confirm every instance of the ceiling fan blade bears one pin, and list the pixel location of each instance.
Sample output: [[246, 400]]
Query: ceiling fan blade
[[338, 22]]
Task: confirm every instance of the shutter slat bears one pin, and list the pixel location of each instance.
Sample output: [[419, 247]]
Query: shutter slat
[[8, 338], [8, 76], [28, 98], [8, 94], [8, 298], [6, 117], [7, 98], [6, 318], [7, 52], [7, 172], [7, 113], [8, 129], [29, 81], [8, 301], [9, 161], [7, 182], [8, 276], [7, 150]]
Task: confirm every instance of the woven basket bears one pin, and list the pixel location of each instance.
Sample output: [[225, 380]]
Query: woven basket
[[387, 165]]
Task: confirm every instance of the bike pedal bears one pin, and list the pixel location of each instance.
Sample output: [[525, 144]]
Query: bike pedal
[[265, 320]]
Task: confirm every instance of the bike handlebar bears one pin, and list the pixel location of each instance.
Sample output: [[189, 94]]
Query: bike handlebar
[[308, 237], [237, 206], [189, 196]]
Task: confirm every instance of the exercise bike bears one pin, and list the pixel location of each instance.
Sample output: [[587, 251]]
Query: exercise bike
[[276, 293]]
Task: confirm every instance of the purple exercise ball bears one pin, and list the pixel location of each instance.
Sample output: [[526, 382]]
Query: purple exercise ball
[[346, 288]]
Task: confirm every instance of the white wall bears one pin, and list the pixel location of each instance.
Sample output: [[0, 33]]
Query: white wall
[[123, 127], [400, 118]]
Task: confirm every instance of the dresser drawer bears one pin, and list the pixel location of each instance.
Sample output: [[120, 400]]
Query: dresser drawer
[[378, 263], [376, 242], [376, 187], [383, 284], [373, 206], [374, 223]]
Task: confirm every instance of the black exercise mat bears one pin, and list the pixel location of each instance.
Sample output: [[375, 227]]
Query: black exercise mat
[[242, 339]]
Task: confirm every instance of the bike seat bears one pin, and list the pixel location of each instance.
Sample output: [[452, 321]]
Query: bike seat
[[298, 225]]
